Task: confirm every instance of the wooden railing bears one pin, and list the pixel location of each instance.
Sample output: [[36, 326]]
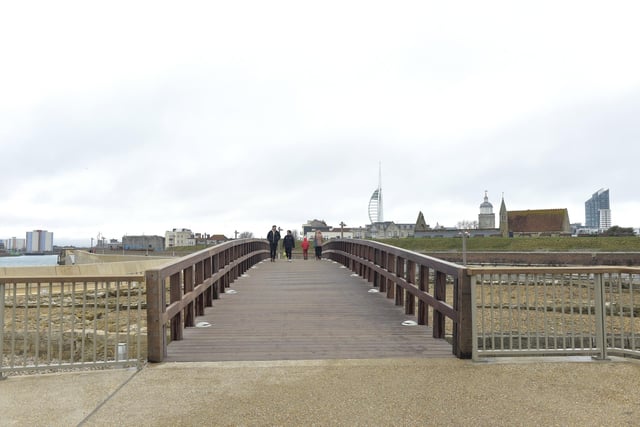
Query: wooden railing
[[506, 311], [416, 281], [180, 291]]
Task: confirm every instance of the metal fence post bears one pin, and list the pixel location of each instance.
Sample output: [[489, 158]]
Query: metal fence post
[[474, 317], [601, 339], [1, 328]]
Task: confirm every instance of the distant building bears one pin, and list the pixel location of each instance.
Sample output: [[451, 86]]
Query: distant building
[[143, 243], [209, 239], [486, 217], [39, 242], [15, 245], [359, 232], [309, 229], [334, 233], [389, 230], [538, 222], [421, 224], [179, 237], [597, 211], [313, 225]]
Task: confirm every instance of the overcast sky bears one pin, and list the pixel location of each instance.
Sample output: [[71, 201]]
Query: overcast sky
[[135, 117]]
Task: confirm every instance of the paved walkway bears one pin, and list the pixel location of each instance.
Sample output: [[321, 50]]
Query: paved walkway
[[387, 391], [381, 392]]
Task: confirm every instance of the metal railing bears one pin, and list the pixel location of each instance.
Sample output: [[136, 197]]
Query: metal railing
[[54, 323], [556, 311]]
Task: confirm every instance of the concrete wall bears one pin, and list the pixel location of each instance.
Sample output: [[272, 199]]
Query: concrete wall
[[91, 265], [75, 257]]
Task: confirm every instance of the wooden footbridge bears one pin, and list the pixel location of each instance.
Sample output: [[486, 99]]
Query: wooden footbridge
[[301, 310], [363, 300]]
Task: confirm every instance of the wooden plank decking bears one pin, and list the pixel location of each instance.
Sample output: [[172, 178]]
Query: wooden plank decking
[[303, 310]]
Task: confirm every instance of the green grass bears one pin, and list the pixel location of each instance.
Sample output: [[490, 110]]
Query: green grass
[[515, 244], [524, 244]]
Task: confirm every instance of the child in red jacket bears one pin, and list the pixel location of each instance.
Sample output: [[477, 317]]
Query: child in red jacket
[[305, 248]]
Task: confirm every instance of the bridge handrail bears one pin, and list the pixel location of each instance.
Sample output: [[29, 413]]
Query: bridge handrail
[[481, 295], [194, 281], [404, 276]]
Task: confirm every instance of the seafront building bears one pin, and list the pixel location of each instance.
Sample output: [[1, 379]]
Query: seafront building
[[143, 243], [179, 237], [597, 211], [14, 244], [39, 242]]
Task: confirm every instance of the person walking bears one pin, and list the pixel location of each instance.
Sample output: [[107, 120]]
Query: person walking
[[289, 244], [273, 237], [305, 248], [317, 243]]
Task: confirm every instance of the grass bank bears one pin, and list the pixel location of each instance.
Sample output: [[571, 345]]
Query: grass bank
[[524, 244]]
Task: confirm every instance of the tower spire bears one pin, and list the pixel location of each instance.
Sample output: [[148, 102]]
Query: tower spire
[[375, 203], [380, 211]]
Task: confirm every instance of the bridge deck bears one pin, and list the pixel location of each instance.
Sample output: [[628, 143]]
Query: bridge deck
[[303, 310]]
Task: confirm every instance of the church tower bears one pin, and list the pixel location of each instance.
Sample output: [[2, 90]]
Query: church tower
[[486, 218], [504, 219], [421, 224]]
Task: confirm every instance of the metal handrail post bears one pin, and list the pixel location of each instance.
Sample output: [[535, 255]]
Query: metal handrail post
[[2, 286], [601, 341], [474, 319]]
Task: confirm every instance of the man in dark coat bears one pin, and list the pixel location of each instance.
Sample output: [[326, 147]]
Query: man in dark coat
[[289, 244], [273, 237]]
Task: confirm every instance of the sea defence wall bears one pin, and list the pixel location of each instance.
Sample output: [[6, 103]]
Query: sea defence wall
[[543, 258], [83, 263]]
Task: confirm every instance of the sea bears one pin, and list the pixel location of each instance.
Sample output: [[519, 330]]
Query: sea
[[28, 260]]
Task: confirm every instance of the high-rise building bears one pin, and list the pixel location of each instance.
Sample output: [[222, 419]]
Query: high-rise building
[[39, 241], [597, 211]]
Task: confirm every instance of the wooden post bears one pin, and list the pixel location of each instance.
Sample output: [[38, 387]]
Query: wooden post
[[156, 328], [383, 263], [410, 299], [440, 293], [391, 267], [463, 329], [190, 309], [175, 294], [399, 274], [423, 285]]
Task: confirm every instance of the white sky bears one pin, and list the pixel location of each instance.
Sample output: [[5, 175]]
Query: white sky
[[135, 117]]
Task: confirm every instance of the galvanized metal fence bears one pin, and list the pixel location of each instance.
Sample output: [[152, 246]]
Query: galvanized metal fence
[[75, 322], [560, 311]]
